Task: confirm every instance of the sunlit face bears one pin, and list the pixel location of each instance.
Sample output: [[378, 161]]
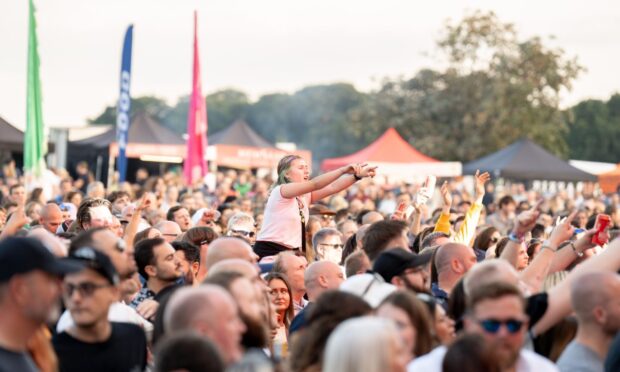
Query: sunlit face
[[330, 249], [298, 171], [523, 258], [100, 216], [507, 345]]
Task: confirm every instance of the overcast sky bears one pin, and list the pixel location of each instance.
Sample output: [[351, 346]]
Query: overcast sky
[[267, 46]]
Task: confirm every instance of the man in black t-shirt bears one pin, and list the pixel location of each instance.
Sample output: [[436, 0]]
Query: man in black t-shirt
[[29, 291], [93, 343]]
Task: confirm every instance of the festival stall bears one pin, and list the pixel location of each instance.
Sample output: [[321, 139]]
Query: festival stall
[[524, 161], [397, 160], [610, 181]]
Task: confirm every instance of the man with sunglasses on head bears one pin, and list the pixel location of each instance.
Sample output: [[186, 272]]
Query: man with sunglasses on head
[[103, 240], [327, 245], [497, 312], [242, 226], [93, 343]]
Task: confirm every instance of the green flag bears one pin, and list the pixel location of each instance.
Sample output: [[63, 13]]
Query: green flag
[[35, 144]]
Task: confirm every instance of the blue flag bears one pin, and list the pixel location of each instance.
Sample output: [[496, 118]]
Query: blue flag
[[123, 119]]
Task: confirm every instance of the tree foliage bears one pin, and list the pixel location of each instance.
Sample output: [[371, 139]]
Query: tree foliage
[[594, 130], [494, 87]]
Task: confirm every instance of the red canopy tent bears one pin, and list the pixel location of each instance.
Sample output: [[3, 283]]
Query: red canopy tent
[[397, 159], [610, 181]]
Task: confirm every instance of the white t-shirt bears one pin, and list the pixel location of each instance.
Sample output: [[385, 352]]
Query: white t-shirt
[[119, 312], [528, 362], [282, 223]]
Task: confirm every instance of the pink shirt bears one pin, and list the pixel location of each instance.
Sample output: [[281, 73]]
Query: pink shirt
[[282, 223]]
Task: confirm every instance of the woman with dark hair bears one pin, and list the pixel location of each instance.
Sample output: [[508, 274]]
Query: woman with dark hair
[[350, 246], [412, 319], [533, 247], [282, 300], [443, 325], [485, 239], [286, 211], [330, 309]]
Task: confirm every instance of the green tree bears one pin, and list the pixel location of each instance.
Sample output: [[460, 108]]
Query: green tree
[[494, 90], [154, 106], [594, 130]]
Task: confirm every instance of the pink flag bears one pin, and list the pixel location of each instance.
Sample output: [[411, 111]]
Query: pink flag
[[195, 165]]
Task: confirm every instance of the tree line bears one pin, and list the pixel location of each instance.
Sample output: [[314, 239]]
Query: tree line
[[493, 89]]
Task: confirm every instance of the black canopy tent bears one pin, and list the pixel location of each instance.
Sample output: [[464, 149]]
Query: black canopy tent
[[239, 133], [525, 160], [145, 137]]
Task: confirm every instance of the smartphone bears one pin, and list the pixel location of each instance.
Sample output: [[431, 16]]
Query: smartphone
[[430, 183]]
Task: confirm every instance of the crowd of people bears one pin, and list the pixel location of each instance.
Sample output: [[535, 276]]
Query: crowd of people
[[334, 273]]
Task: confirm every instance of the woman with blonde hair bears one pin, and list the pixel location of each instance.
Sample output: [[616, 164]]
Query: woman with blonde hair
[[366, 344], [286, 211]]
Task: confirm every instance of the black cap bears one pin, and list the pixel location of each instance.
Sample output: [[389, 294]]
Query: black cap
[[98, 261], [395, 261], [22, 255]]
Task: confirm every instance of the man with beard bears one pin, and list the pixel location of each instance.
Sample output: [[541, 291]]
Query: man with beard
[[497, 312], [29, 292], [250, 306], [404, 269], [104, 241], [161, 269], [319, 277], [189, 256], [93, 343]]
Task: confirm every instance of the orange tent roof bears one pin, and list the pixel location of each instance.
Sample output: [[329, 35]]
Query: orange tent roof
[[389, 148], [610, 181]]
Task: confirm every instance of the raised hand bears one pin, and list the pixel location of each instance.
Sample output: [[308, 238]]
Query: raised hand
[[481, 180], [446, 194], [563, 230], [366, 171], [527, 220]]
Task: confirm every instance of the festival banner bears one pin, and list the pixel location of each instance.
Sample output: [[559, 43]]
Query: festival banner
[[195, 167], [123, 117]]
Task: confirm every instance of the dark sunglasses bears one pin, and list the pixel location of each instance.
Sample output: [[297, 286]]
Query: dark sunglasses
[[492, 325], [84, 289], [333, 246], [243, 232]]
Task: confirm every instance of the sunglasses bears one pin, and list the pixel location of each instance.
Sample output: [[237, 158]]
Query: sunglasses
[[333, 246], [243, 232], [493, 325], [84, 289]]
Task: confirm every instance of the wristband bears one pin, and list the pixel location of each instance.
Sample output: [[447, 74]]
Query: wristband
[[517, 239], [357, 178], [579, 254]]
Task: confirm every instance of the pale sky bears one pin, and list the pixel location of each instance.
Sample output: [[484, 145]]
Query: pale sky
[[267, 46]]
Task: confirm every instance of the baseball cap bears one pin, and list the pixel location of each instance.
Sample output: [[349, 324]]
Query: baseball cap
[[98, 261], [394, 262], [19, 255]]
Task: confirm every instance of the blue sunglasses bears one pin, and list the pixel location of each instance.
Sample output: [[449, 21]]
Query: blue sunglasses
[[493, 325]]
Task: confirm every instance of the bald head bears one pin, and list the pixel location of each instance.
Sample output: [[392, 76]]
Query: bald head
[[371, 217], [490, 271], [448, 253], [321, 276], [170, 230], [591, 295], [226, 248], [236, 265], [51, 217]]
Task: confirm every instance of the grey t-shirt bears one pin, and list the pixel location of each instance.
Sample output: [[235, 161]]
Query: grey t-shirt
[[11, 361], [579, 358]]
